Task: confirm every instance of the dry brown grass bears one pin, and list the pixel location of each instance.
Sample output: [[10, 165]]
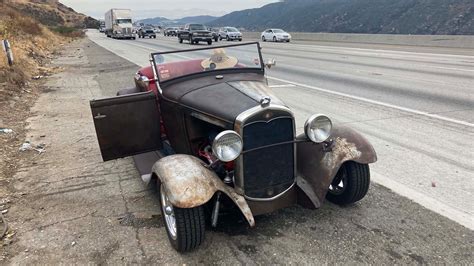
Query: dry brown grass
[[32, 45]]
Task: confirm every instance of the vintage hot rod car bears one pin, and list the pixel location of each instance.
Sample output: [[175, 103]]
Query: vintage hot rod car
[[204, 125]]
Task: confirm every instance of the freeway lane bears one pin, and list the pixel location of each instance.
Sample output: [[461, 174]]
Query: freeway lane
[[386, 95]]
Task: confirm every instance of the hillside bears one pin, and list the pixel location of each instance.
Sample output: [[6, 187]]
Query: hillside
[[52, 13], [359, 16], [34, 29]]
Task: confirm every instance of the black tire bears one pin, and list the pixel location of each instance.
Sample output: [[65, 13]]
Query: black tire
[[191, 41], [350, 184], [133, 38], [190, 226], [216, 39], [180, 40], [209, 42], [228, 38], [263, 39], [220, 38], [274, 38]]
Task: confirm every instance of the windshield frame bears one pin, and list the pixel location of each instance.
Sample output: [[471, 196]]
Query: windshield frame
[[260, 70]]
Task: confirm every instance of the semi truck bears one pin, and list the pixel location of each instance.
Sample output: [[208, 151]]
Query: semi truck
[[118, 24]]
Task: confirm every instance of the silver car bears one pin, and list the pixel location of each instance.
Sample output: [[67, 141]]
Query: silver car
[[230, 34], [276, 35]]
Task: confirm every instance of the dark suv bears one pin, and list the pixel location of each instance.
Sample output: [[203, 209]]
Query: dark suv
[[195, 33], [173, 31]]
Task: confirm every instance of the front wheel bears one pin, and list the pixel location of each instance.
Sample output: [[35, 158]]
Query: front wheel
[[274, 38], [263, 39], [185, 227], [350, 184]]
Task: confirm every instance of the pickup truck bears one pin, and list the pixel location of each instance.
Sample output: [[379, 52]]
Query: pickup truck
[[195, 33]]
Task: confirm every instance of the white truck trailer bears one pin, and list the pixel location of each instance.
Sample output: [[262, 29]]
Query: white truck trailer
[[118, 24]]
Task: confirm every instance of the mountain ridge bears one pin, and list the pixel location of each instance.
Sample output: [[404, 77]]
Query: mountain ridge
[[358, 16]]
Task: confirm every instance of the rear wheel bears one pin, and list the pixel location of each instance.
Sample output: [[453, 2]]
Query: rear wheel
[[185, 227], [209, 42], [180, 40], [227, 39], [350, 184]]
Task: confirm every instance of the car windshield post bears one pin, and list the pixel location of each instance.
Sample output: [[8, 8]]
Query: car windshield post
[[243, 58]]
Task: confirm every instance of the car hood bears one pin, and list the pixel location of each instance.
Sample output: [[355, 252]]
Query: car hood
[[224, 100]]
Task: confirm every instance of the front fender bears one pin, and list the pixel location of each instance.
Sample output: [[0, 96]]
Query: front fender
[[317, 167], [188, 183]]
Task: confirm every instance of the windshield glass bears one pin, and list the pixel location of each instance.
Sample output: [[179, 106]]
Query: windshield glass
[[171, 65], [231, 29], [197, 27], [278, 31], [124, 20]]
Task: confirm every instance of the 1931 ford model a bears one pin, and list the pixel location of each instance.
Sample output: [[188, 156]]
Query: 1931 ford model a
[[206, 127]]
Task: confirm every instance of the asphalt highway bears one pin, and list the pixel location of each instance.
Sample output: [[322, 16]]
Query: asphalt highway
[[416, 106]]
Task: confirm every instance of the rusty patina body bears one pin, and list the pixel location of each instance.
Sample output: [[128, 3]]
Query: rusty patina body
[[173, 119]]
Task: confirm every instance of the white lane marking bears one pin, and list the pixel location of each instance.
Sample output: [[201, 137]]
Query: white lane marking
[[405, 109], [282, 86], [426, 201], [372, 51], [452, 68]]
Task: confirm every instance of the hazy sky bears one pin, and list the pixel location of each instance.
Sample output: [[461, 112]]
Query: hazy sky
[[164, 8]]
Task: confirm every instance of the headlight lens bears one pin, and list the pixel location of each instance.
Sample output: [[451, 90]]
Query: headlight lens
[[227, 146], [318, 128]]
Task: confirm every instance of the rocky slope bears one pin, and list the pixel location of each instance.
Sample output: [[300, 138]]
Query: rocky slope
[[359, 16], [52, 13]]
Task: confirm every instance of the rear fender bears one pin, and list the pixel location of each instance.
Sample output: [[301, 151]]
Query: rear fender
[[318, 166], [188, 183]]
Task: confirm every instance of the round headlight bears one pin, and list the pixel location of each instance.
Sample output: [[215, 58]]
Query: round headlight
[[227, 146], [318, 128]]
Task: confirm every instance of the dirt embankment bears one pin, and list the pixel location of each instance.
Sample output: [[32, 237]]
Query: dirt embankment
[[33, 46]]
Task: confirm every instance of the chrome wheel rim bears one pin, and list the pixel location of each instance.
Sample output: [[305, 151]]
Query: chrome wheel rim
[[338, 185], [168, 212]]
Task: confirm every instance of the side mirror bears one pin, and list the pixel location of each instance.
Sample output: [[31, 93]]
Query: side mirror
[[270, 63]]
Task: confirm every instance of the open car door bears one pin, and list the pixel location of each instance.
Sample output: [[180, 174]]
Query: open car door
[[127, 125]]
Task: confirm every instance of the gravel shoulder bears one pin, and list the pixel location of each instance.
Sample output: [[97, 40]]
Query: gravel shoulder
[[75, 209]]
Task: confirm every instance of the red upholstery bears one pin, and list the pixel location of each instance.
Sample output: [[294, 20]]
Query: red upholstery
[[178, 69]]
